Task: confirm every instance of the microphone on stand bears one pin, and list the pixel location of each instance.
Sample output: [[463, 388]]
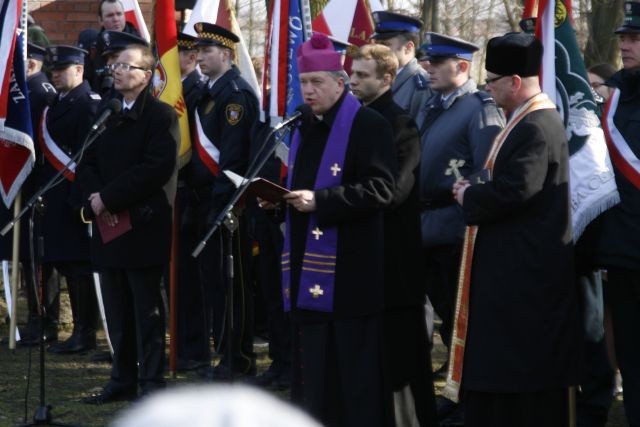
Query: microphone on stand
[[302, 111], [113, 107]]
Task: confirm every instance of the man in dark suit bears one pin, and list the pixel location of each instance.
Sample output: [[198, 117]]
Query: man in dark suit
[[62, 131], [125, 177], [223, 121], [341, 172], [407, 353]]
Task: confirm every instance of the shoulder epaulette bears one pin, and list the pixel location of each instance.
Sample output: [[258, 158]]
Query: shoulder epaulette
[[421, 82], [484, 97], [236, 88]]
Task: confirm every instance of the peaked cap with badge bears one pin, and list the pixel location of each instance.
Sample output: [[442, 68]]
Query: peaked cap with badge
[[215, 35], [186, 42], [631, 22], [391, 24], [442, 46], [63, 56], [36, 52], [113, 41]]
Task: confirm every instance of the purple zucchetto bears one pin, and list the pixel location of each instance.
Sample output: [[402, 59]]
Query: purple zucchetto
[[318, 54]]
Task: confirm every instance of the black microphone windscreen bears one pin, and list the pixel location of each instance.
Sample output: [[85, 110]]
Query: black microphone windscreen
[[114, 105], [305, 110]]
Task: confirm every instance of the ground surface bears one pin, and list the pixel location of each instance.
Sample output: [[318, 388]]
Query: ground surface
[[69, 378]]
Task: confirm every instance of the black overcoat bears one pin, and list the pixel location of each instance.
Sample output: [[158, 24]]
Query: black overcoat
[[129, 165], [69, 118], [523, 331], [404, 276]]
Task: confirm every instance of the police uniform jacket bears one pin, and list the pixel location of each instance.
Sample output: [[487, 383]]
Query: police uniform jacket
[[227, 112], [462, 128], [68, 122], [129, 165], [411, 89], [355, 207], [620, 242], [41, 94], [523, 294], [404, 279]]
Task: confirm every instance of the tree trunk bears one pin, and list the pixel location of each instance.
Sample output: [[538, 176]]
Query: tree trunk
[[602, 45]]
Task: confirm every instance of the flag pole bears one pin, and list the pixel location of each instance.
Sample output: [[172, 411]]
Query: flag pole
[[173, 295], [14, 272]]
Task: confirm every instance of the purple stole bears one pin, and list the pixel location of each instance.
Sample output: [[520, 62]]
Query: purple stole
[[317, 277]]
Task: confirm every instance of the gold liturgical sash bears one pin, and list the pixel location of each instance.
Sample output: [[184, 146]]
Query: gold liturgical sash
[[461, 319]]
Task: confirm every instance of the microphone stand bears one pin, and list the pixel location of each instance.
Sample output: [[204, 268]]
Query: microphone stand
[[42, 414], [231, 224]]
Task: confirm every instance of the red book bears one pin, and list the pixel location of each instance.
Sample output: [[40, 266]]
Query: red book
[[107, 232], [260, 187]]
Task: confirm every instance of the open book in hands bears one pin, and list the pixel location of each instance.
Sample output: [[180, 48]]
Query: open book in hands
[[259, 187]]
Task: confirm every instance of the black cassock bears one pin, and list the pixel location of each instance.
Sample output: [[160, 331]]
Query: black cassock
[[337, 356], [524, 332]]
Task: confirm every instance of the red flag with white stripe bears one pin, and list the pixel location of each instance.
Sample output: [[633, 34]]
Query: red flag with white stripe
[[133, 14]]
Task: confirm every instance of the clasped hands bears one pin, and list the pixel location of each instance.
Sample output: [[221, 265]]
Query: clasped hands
[[458, 190]]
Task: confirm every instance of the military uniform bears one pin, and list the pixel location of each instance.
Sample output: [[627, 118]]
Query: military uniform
[[411, 88], [65, 236], [224, 116], [459, 127]]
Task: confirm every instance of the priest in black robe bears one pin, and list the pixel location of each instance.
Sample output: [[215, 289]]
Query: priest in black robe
[[523, 326], [341, 173]]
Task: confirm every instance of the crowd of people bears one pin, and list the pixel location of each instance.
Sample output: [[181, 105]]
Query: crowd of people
[[410, 187]]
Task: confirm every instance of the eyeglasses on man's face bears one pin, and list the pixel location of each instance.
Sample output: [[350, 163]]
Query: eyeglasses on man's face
[[124, 67], [493, 80]]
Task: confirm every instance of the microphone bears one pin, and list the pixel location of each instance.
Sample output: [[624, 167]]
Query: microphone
[[302, 111], [113, 107]]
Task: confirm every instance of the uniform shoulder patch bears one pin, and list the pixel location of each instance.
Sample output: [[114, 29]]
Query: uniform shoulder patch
[[234, 113], [95, 96], [421, 82], [484, 97], [236, 88]]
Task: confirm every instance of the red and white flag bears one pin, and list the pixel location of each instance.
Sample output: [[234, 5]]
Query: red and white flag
[[16, 144], [133, 14], [347, 20]]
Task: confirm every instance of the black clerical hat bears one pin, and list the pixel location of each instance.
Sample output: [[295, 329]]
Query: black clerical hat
[[440, 46], [390, 24], [215, 35], [631, 22], [186, 42], [36, 52], [62, 56], [114, 41], [514, 53]]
